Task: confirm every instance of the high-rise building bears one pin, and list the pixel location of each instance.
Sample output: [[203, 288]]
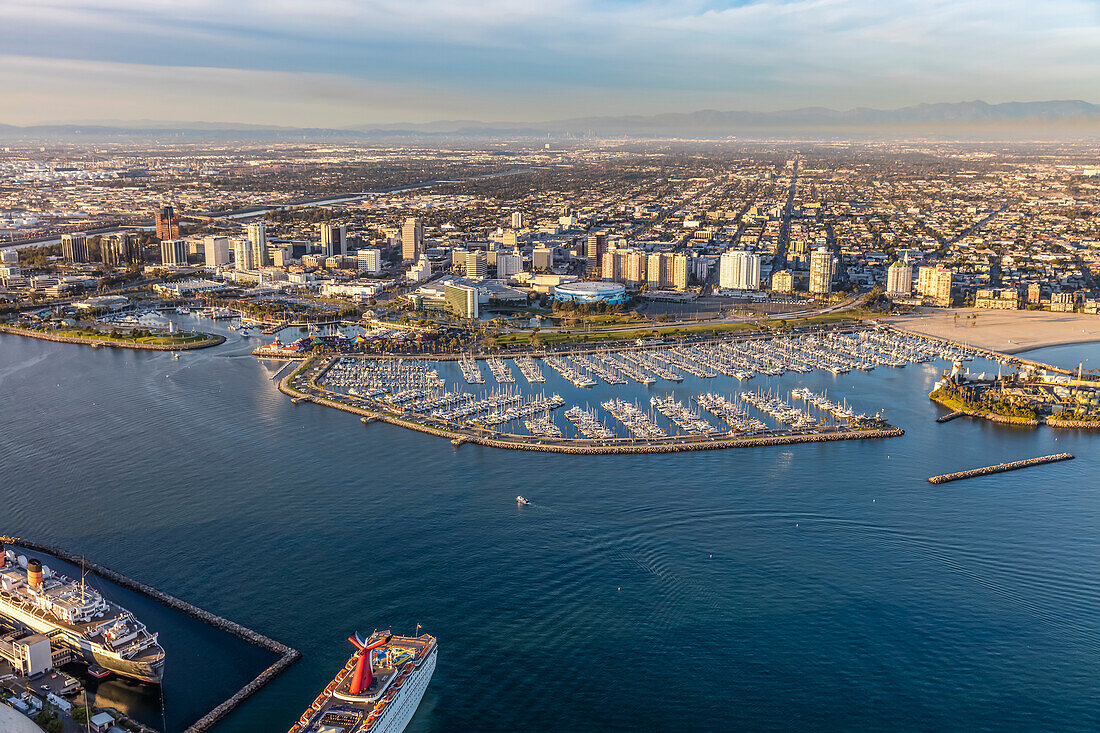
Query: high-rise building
[[257, 240], [115, 249], [542, 258], [173, 252], [782, 281], [597, 245], [412, 239], [475, 264], [74, 247], [635, 267], [935, 283], [654, 270], [509, 264], [168, 223], [739, 270], [370, 260], [242, 255], [680, 271], [334, 240], [510, 239], [517, 220], [899, 278], [822, 271], [462, 299], [216, 251]]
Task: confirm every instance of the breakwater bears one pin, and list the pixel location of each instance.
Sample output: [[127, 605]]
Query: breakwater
[[210, 340], [950, 416], [287, 655], [1000, 468]]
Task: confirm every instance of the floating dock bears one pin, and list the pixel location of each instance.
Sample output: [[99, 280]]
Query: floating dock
[[1000, 468]]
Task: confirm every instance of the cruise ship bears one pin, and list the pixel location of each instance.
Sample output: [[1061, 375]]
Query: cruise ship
[[378, 690], [78, 618]]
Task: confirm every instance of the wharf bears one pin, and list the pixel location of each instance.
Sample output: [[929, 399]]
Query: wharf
[[1000, 468]]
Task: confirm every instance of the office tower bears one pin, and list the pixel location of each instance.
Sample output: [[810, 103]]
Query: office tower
[[899, 278], [509, 264], [822, 271], [680, 271], [257, 240], [173, 252], [422, 270], [168, 223], [461, 299], [115, 249], [510, 239], [370, 260], [542, 258], [935, 283], [412, 239], [739, 270], [242, 254], [216, 251], [74, 247], [597, 245], [517, 220], [475, 264], [334, 240]]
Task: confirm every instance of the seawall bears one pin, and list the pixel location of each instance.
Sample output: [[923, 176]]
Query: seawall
[[213, 340]]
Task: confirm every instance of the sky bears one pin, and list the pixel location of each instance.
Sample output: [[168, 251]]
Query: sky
[[341, 63]]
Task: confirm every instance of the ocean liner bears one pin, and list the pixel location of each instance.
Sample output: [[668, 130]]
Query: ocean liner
[[78, 618], [378, 690]]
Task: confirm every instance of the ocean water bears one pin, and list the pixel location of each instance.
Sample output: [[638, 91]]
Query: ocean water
[[825, 585]]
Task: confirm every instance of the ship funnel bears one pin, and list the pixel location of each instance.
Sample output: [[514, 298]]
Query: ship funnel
[[34, 573]]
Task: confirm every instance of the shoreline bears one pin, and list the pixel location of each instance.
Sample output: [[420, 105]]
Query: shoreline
[[1007, 332], [212, 339]]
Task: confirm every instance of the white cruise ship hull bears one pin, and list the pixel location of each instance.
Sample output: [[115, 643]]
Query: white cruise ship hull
[[402, 708]]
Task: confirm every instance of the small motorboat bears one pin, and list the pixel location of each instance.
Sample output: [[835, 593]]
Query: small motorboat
[[521, 501]]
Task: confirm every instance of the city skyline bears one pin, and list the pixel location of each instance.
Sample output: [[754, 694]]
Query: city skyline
[[331, 64]]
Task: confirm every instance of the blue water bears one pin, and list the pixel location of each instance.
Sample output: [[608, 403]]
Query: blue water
[[824, 585]]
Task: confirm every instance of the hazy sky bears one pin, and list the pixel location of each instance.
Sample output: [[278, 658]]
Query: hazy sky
[[337, 63]]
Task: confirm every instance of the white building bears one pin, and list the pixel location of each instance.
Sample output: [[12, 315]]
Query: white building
[[421, 271], [509, 265], [517, 220], [475, 264], [216, 251], [242, 255], [899, 278], [739, 270], [822, 271], [370, 260], [257, 239], [173, 252]]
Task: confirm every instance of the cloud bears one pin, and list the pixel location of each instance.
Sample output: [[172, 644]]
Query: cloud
[[540, 59]]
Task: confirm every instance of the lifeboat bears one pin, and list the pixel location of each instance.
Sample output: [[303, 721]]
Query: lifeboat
[[400, 681], [408, 668], [341, 675], [330, 688], [304, 719]]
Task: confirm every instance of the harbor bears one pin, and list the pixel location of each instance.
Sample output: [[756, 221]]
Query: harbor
[[452, 551]]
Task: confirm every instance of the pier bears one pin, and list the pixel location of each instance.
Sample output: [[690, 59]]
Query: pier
[[950, 416], [287, 655], [1000, 468]]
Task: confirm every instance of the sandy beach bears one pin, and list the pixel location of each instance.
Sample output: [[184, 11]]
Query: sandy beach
[[1006, 331]]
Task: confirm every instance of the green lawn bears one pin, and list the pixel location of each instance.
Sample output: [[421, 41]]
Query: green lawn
[[89, 334]]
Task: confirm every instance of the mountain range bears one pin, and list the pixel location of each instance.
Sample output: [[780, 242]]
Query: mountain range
[[960, 118]]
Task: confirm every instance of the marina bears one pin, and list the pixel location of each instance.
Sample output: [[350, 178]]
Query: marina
[[436, 396]]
